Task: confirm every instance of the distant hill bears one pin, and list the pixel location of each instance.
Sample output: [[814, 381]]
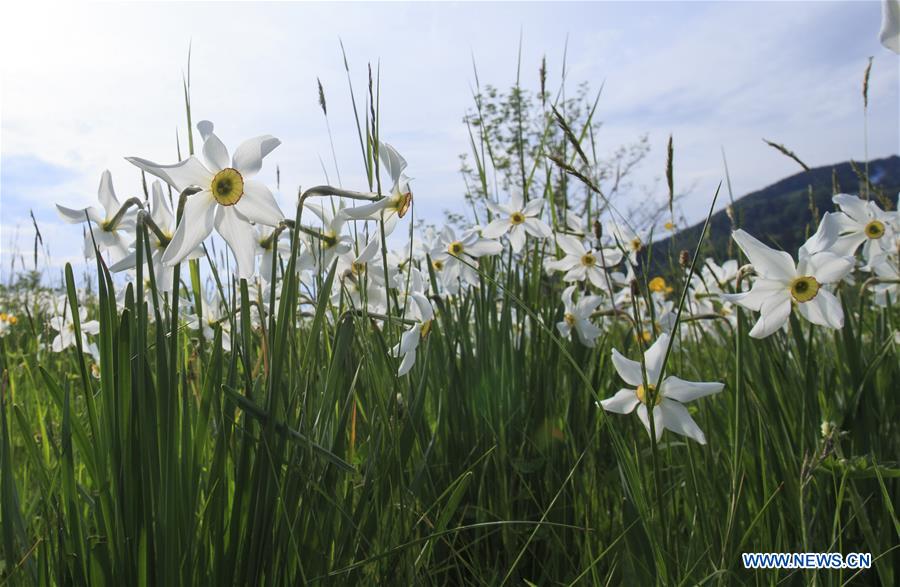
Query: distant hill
[[780, 214]]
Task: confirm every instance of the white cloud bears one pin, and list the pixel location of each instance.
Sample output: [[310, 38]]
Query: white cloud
[[98, 82]]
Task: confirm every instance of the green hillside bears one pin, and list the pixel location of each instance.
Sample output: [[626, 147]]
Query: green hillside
[[780, 214]]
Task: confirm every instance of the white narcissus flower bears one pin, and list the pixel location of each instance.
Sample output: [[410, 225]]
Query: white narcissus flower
[[716, 276], [111, 234], [421, 310], [361, 278], [213, 315], [781, 284], [228, 198], [332, 243], [890, 25], [628, 240], [269, 246], [393, 207], [582, 261], [577, 316], [668, 411], [515, 219], [455, 255], [888, 290], [65, 327], [863, 223], [577, 223], [413, 295], [162, 216], [406, 349]]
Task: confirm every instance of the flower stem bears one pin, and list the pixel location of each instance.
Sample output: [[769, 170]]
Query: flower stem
[[112, 224]]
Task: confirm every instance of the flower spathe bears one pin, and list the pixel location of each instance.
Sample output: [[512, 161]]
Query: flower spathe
[[229, 199], [668, 411], [782, 284]]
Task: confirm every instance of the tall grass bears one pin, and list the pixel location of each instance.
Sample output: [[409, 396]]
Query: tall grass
[[297, 456]]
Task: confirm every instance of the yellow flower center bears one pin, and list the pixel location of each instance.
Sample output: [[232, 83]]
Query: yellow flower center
[[357, 268], [641, 394], [570, 319], [438, 265], [516, 218], [804, 289], [455, 248], [227, 187], [588, 260], [658, 284], [636, 244], [669, 226], [328, 240], [875, 229], [403, 204], [426, 328]]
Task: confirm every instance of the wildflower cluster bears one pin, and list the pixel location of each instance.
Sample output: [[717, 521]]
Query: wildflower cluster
[[600, 270]]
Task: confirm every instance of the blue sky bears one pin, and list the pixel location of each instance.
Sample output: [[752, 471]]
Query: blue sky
[[99, 82]]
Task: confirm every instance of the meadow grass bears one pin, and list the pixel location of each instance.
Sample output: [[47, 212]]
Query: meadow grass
[[294, 454]]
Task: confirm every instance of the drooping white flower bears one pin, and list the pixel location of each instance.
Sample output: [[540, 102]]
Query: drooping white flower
[[862, 222], [269, 245], [455, 255], [361, 279], [161, 214], [333, 242], [577, 316], [65, 328], [111, 234], [781, 284], [228, 198], [213, 315], [417, 308], [581, 261], [412, 297], [406, 348], [668, 411], [393, 207], [890, 25], [515, 219]]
